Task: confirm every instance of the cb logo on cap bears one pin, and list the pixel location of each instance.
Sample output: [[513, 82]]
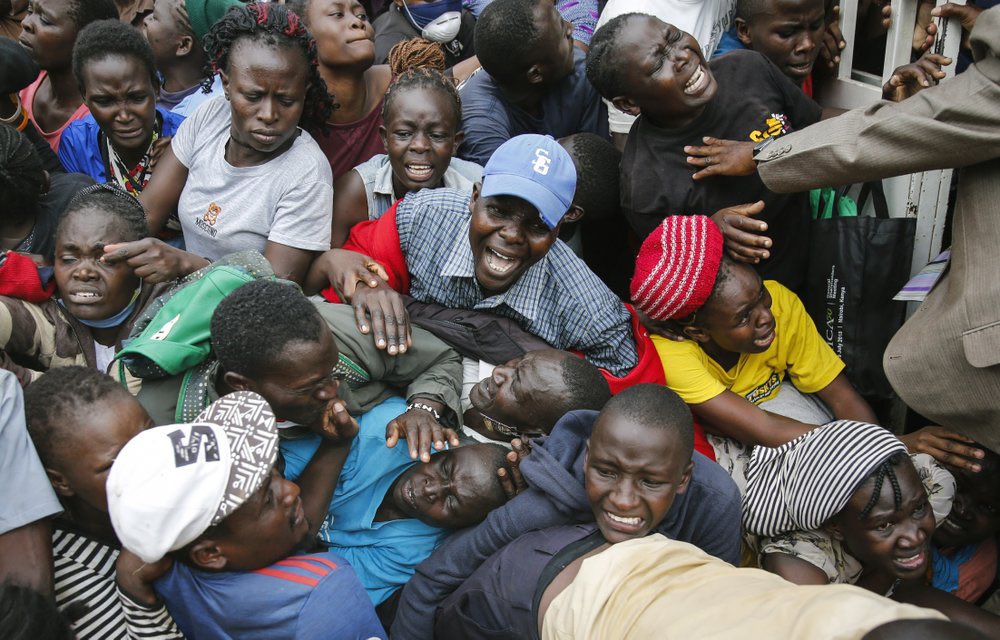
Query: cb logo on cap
[[542, 162]]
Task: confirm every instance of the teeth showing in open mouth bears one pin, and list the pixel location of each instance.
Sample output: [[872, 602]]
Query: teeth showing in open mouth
[[697, 82], [86, 295], [629, 521], [912, 562], [499, 263], [420, 170]]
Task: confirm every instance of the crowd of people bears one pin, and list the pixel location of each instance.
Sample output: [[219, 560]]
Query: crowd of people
[[480, 319]]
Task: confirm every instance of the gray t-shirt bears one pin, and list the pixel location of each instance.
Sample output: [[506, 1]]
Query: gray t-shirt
[[224, 209], [25, 492]]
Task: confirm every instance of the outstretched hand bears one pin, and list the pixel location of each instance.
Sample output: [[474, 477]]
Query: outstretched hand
[[511, 479], [345, 271], [744, 236], [421, 431], [909, 79], [722, 158], [946, 446]]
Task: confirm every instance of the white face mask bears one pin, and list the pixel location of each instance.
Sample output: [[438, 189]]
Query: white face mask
[[444, 28]]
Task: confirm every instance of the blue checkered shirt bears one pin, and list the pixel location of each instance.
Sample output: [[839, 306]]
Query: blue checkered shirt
[[558, 298]]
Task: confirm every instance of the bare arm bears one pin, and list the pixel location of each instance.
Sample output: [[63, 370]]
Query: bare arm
[[845, 402], [288, 262], [727, 414], [26, 556], [956, 609], [793, 569], [163, 192], [350, 206]]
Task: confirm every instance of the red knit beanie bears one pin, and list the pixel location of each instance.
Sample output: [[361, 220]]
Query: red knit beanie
[[676, 267]]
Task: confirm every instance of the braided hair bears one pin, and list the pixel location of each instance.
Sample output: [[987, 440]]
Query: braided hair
[[113, 201], [885, 470], [419, 64], [274, 25], [22, 176]]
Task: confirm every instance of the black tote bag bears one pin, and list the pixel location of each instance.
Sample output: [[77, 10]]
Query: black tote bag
[[856, 265]]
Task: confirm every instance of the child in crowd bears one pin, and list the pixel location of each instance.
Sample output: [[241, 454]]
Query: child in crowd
[[49, 30], [33, 198], [117, 142], [787, 32], [389, 512], [79, 420], [705, 513], [645, 66], [240, 174], [208, 497], [736, 338], [501, 254], [422, 114], [345, 53], [96, 303], [176, 31], [964, 553], [845, 503], [532, 80]]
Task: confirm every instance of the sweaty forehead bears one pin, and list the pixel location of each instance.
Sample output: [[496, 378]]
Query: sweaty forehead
[[620, 439]]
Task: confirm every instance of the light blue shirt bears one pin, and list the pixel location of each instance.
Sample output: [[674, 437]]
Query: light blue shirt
[[383, 554]]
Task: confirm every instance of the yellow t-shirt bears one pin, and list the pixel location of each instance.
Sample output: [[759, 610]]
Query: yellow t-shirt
[[798, 350]]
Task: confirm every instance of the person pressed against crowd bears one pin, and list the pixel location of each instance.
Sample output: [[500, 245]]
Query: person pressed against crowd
[[176, 30], [79, 420], [33, 197], [422, 114], [117, 76], [240, 174], [304, 358], [345, 53], [501, 255], [532, 80], [526, 396], [389, 512], [965, 543], [652, 69], [847, 494], [49, 30], [637, 460], [96, 301], [208, 497], [787, 32], [704, 514], [739, 337]]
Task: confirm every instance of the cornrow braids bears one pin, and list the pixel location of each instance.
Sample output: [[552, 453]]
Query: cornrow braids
[[883, 471], [113, 201], [419, 64], [22, 176], [274, 25]]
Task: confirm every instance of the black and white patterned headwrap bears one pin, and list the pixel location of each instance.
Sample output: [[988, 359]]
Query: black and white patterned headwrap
[[803, 483]]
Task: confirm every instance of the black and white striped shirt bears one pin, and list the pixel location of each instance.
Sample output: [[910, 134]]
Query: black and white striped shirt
[[86, 593]]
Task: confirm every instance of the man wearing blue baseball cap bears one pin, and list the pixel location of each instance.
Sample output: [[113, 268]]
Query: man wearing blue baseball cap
[[495, 252]]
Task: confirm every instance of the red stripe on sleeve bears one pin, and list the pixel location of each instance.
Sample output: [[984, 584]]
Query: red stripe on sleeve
[[291, 577]]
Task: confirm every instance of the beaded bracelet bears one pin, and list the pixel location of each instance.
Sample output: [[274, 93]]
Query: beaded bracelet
[[424, 407]]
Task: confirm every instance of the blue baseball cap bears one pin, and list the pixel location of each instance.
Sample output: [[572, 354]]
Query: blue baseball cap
[[535, 168]]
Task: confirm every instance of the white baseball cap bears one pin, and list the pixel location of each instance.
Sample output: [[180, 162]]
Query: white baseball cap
[[171, 483]]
